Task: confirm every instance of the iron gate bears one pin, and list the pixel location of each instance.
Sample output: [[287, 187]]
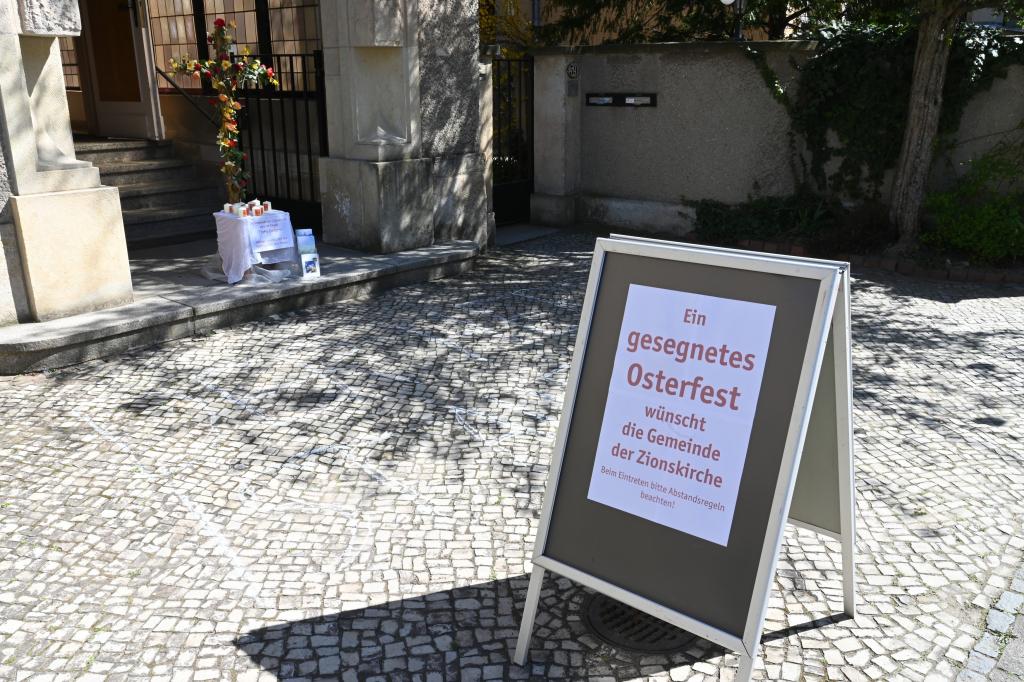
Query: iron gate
[[513, 139], [283, 132]]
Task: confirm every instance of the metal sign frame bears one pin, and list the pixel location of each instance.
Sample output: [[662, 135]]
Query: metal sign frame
[[831, 320]]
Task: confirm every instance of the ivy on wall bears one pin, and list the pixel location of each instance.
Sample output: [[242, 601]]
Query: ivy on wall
[[850, 107], [850, 110]]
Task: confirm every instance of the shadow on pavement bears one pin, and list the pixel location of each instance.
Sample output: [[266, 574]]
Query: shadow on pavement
[[466, 633]]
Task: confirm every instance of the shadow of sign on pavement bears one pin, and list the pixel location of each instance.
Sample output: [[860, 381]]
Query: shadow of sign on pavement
[[466, 633]]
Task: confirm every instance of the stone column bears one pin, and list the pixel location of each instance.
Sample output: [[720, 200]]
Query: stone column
[[487, 139], [556, 138], [405, 168], [69, 255]]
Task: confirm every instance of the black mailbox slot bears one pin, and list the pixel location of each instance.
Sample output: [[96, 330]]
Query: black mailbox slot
[[622, 99]]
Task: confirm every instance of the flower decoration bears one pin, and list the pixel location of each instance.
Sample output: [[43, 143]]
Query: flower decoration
[[227, 75]]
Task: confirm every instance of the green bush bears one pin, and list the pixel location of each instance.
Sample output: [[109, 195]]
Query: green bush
[[789, 218], [823, 225], [863, 229], [982, 216]]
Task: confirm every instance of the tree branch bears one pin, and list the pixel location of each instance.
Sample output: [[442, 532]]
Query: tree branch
[[797, 14]]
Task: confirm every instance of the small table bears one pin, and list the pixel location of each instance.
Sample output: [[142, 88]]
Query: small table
[[244, 242]]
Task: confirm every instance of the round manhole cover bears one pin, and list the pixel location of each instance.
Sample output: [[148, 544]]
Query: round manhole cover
[[624, 627]]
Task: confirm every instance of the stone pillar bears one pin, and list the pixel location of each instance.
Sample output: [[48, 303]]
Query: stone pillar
[[404, 167], [70, 254], [487, 140], [556, 138]]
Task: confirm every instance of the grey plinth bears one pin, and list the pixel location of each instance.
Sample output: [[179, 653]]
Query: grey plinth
[[50, 17], [405, 166]]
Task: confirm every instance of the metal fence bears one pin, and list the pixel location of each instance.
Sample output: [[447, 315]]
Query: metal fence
[[513, 138], [283, 131]]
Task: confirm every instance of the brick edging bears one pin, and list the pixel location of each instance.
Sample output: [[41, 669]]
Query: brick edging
[[904, 266]]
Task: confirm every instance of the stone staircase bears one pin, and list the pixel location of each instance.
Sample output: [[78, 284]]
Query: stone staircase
[[164, 199]]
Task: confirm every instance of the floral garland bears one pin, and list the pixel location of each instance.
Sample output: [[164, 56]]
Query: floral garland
[[227, 75]]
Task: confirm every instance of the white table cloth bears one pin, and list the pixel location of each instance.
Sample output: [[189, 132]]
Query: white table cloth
[[244, 242]]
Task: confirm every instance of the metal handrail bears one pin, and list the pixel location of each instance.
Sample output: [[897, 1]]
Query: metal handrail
[[193, 100]]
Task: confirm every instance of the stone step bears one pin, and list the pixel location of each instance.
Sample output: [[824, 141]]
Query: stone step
[[124, 173], [150, 215], [172, 300], [154, 227], [187, 191], [105, 152], [164, 200]]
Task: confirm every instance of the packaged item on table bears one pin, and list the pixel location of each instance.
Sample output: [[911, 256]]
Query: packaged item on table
[[257, 211], [266, 206], [308, 256], [228, 208], [305, 240], [310, 265]]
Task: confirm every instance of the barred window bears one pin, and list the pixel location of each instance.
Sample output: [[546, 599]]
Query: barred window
[[243, 13], [173, 30], [294, 26], [294, 29], [69, 60]]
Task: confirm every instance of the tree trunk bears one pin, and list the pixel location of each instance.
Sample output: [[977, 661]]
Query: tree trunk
[[777, 12], [934, 43]]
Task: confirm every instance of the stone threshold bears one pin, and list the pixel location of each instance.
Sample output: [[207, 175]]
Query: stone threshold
[[173, 302]]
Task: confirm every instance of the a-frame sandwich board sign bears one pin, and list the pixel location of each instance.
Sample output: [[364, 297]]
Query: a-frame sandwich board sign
[[708, 401]]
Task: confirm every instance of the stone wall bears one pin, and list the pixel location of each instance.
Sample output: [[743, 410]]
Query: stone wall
[[716, 132], [62, 246], [13, 304], [449, 48], [50, 17], [402, 84], [449, 69], [12, 288]]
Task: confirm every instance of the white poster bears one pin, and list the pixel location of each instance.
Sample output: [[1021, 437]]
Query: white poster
[[680, 408], [271, 231]]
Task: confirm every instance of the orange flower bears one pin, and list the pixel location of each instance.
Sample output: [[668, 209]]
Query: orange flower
[[223, 97]]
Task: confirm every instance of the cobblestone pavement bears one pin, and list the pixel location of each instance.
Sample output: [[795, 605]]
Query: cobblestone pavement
[[352, 491]]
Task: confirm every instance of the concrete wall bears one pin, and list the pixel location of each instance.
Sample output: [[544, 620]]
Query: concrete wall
[[986, 120], [449, 68], [193, 134], [77, 111], [13, 301], [486, 86], [450, 74], [716, 133], [405, 167], [47, 196], [13, 298]]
